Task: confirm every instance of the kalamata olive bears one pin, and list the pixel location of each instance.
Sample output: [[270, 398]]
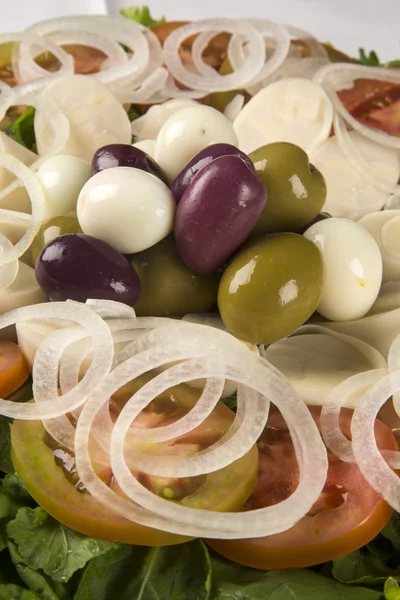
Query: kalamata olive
[[78, 267], [203, 158], [52, 229], [320, 217], [217, 213], [125, 155]]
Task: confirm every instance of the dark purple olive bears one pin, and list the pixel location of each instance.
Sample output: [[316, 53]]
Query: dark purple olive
[[77, 267], [202, 159], [124, 155], [217, 212], [320, 217]]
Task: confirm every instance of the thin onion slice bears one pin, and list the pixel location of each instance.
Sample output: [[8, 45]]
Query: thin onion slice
[[9, 270], [370, 461], [215, 83], [45, 375], [218, 525], [337, 76], [35, 192]]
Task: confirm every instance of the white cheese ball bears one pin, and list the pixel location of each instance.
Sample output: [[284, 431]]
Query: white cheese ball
[[291, 110], [353, 268], [148, 146], [189, 131], [128, 208], [62, 178]]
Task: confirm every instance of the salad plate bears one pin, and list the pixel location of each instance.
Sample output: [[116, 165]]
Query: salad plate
[[199, 311]]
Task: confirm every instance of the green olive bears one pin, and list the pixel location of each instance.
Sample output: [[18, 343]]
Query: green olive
[[296, 190], [169, 288], [271, 287], [52, 229]]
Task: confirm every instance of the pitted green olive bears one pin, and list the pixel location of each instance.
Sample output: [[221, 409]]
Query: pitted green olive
[[271, 287], [296, 190], [169, 288]]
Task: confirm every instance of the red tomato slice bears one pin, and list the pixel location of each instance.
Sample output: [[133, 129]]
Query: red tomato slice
[[13, 368], [348, 514]]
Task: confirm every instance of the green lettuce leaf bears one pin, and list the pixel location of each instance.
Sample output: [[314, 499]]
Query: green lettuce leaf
[[180, 572], [36, 581], [141, 14], [15, 592], [362, 568], [232, 582], [23, 131], [45, 544]]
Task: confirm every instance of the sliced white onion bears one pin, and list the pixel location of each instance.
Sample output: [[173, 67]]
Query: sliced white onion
[[9, 270], [46, 368], [29, 48], [337, 76], [342, 397], [370, 461], [215, 83], [35, 192], [388, 298], [315, 48], [216, 525]]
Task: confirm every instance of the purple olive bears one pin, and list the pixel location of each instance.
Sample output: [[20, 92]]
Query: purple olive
[[124, 155], [320, 217], [202, 159], [217, 212], [78, 267]]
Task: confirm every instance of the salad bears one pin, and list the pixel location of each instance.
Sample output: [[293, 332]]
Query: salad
[[199, 313]]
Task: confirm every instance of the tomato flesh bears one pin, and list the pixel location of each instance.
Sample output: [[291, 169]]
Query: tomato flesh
[[13, 368], [348, 514], [48, 473]]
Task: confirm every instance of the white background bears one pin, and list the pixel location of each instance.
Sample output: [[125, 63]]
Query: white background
[[374, 24]]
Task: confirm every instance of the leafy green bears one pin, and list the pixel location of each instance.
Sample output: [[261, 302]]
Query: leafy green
[[5, 446], [15, 592], [232, 582], [22, 130], [13, 496], [36, 581], [180, 572], [371, 59], [141, 14], [362, 568], [231, 401], [45, 544], [133, 114]]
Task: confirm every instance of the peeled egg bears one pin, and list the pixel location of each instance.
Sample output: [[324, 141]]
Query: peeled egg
[[62, 178], [148, 146], [148, 126], [128, 208], [187, 132], [353, 268]]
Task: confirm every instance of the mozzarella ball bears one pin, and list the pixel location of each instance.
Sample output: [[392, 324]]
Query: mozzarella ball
[[148, 146], [187, 132], [353, 268], [128, 208], [62, 178]]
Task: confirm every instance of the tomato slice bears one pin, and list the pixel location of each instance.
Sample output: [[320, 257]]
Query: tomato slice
[[348, 514], [13, 368], [48, 471]]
